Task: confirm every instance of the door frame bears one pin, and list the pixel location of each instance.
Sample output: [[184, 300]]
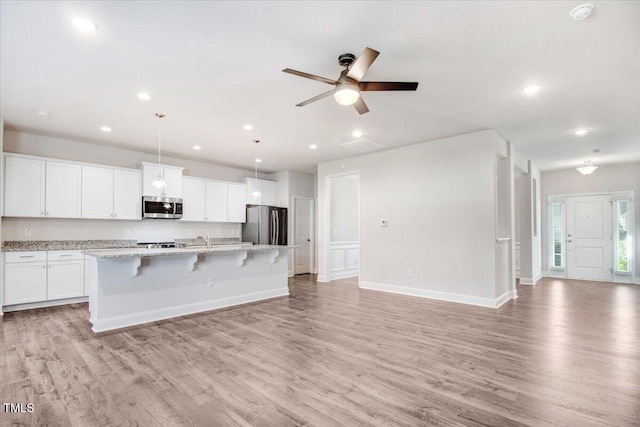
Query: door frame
[[617, 277], [312, 227]]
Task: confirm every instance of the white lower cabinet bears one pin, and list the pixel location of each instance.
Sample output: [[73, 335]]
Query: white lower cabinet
[[25, 282], [40, 276], [65, 279], [87, 275]]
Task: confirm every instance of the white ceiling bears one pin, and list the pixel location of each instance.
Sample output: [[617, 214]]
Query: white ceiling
[[213, 66]]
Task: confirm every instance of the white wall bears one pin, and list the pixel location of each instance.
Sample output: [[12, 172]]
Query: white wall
[[345, 215], [438, 198], [607, 178], [43, 229]]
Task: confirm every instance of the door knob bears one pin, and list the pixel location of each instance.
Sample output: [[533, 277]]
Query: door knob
[[308, 240], [569, 241]]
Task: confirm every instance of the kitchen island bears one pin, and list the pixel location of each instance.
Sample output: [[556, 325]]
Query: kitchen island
[[134, 286]]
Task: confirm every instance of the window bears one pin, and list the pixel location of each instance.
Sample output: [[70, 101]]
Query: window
[[623, 240], [558, 234]]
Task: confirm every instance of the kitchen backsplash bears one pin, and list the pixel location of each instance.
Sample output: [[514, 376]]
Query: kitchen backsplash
[[144, 230]]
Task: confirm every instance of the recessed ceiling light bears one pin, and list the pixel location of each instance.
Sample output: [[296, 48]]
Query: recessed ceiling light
[[531, 89], [105, 129], [42, 113], [313, 146], [248, 126], [143, 96], [258, 160], [581, 132], [197, 147], [357, 133], [85, 25], [581, 11]]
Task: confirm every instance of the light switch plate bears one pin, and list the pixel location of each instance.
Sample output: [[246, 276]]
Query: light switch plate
[[27, 232]]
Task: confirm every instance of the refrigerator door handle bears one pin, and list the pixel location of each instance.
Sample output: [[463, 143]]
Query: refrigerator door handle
[[273, 227], [277, 240]]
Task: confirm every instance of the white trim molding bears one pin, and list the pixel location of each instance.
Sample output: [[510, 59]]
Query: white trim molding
[[438, 295]]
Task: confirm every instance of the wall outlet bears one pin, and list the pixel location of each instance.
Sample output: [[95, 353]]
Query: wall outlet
[[410, 272], [27, 232], [210, 282], [384, 223], [84, 232]]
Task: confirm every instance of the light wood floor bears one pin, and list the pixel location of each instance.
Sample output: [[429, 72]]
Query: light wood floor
[[563, 353]]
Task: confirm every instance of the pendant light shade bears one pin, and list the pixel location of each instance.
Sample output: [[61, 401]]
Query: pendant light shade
[[587, 168], [256, 193], [159, 181]]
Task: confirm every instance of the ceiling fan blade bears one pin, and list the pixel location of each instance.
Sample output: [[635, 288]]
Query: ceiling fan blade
[[315, 98], [360, 106], [362, 64], [378, 86], [309, 76]]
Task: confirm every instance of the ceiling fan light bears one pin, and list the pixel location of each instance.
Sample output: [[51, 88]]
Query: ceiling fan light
[[346, 94]]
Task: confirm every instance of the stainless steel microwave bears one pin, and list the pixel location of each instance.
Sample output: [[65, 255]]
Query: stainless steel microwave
[[161, 207]]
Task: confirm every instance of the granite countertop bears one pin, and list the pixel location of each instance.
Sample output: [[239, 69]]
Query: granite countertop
[[143, 252], [82, 245]]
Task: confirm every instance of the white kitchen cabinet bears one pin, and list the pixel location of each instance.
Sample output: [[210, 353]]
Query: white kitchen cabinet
[[65, 279], [236, 203], [24, 191], [97, 192], [25, 282], [127, 194], [267, 190], [217, 201], [193, 199], [172, 176], [87, 275], [63, 190], [110, 193]]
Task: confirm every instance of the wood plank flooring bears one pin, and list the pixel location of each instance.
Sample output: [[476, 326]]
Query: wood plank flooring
[[564, 353]]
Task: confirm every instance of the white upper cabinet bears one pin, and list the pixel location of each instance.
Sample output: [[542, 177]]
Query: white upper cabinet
[[24, 194], [63, 190], [172, 175], [266, 188], [193, 199], [212, 201], [217, 201], [97, 192], [127, 194], [236, 198]]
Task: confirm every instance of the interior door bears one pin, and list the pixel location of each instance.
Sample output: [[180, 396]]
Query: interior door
[[589, 238], [302, 227]]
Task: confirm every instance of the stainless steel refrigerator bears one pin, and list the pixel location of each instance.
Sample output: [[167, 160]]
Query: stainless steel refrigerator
[[266, 225]]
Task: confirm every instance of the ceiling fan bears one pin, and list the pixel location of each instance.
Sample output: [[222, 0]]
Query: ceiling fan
[[349, 85]]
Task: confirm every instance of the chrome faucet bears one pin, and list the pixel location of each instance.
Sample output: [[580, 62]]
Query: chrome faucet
[[206, 238]]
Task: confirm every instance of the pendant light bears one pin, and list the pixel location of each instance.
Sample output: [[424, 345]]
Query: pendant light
[[587, 168], [256, 193], [159, 181]]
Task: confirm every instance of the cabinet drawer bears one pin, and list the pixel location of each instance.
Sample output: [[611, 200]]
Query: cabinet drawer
[[25, 256], [65, 255]]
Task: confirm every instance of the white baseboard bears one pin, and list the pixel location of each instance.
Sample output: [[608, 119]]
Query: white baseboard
[[531, 281], [438, 295], [637, 281], [321, 279], [102, 325], [343, 274], [43, 304], [290, 274]]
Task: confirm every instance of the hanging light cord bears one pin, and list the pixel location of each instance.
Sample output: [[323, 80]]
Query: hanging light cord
[[256, 159], [159, 116]]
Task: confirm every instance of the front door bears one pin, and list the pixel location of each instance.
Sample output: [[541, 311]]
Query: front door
[[302, 235], [589, 238]]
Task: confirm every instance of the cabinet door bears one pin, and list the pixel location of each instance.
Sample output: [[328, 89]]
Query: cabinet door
[[268, 193], [149, 173], [24, 187], [65, 279], [127, 197], [97, 192], [253, 184], [25, 282], [173, 178], [236, 199], [216, 201], [193, 200], [63, 190]]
